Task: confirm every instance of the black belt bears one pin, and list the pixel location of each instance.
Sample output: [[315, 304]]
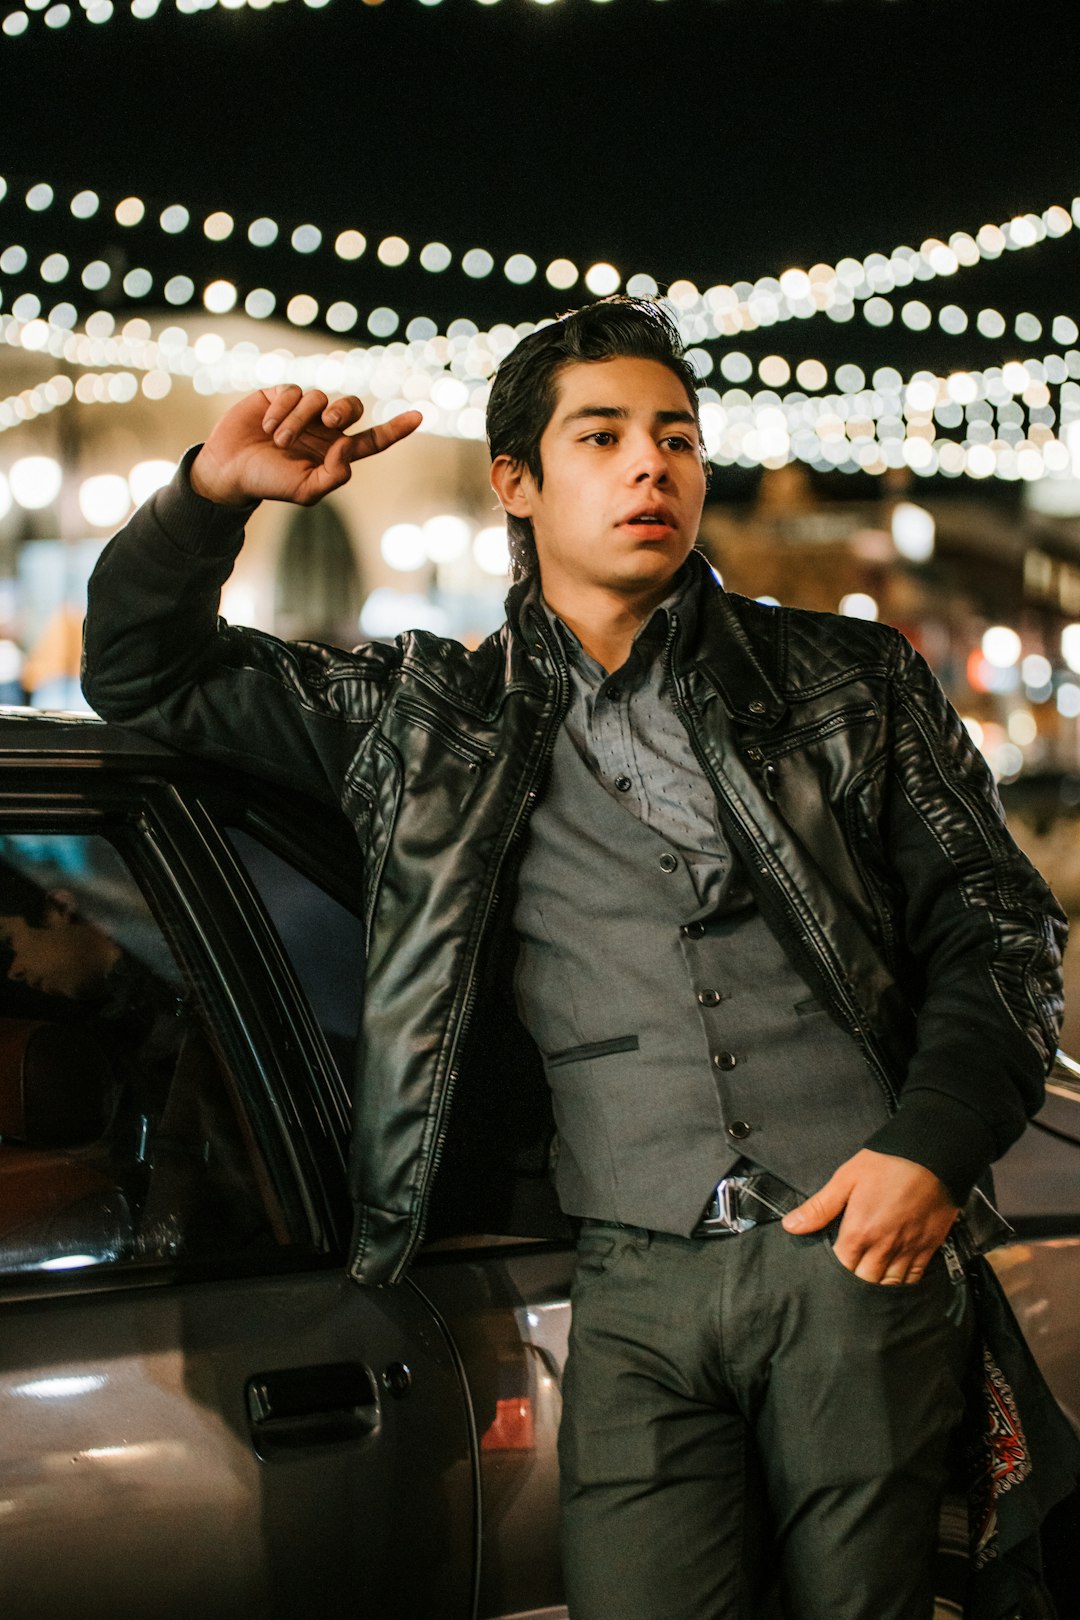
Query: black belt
[[738, 1203], [741, 1202]]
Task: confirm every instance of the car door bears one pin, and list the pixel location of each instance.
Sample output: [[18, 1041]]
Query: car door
[[503, 1296], [1038, 1191], [201, 1414]]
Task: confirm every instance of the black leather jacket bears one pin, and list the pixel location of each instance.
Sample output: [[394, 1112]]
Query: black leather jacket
[[866, 820]]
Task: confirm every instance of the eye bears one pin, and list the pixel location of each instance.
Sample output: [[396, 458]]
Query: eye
[[679, 441], [602, 436]]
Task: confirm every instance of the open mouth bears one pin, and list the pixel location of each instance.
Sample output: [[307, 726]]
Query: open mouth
[[650, 520]]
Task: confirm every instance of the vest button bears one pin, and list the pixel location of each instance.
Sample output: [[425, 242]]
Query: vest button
[[709, 998], [757, 706], [739, 1130], [623, 783], [668, 863], [693, 930], [726, 1060]]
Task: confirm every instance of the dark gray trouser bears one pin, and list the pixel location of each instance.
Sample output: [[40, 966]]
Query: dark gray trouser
[[742, 1407]]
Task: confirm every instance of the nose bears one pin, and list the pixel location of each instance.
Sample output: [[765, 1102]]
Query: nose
[[648, 463]]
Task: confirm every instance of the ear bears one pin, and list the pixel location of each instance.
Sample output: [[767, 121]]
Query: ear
[[63, 902], [513, 485]]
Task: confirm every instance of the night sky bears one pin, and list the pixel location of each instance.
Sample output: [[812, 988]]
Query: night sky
[[713, 139]]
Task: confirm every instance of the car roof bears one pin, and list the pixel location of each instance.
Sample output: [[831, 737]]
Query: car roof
[[44, 732]]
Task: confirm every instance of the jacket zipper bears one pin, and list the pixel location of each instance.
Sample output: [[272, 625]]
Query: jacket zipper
[[523, 811], [756, 858]]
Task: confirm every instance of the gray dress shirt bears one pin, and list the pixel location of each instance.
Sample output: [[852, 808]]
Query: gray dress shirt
[[625, 728]]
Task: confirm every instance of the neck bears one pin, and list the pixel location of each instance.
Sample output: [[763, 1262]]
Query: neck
[[605, 621]]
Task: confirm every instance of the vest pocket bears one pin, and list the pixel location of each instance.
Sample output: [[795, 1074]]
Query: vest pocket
[[592, 1049], [807, 1008]]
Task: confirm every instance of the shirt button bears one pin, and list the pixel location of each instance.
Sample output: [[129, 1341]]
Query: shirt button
[[739, 1130], [693, 930], [725, 1060], [668, 863], [623, 783], [709, 998], [614, 693]]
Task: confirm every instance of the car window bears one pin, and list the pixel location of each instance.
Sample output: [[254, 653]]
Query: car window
[[322, 938], [122, 1136]]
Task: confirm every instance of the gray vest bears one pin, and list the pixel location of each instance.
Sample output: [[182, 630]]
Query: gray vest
[[676, 1039]]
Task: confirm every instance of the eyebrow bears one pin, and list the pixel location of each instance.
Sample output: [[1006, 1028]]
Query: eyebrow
[[616, 413]]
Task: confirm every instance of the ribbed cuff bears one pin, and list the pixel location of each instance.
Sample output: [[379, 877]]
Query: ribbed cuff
[[195, 524], [935, 1130]]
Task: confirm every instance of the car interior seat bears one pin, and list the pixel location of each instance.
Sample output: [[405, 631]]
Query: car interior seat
[[58, 1193]]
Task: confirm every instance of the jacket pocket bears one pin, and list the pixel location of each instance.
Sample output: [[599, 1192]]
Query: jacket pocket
[[459, 742], [592, 1049], [814, 731]]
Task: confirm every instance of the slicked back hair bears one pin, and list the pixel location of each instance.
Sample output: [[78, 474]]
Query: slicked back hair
[[525, 388]]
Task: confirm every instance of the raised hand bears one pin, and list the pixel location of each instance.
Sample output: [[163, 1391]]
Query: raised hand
[[281, 444], [896, 1215]]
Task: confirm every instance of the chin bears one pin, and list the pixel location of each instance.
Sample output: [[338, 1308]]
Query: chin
[[652, 568]]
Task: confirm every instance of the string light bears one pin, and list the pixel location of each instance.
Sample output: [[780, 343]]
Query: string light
[[383, 321], [1008, 422], [721, 310], [17, 22]]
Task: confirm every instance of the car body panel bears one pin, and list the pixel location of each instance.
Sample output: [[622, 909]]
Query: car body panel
[[130, 1476]]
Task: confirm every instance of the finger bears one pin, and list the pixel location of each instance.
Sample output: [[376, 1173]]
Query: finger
[[343, 413], [916, 1270], [819, 1209], [851, 1251], [280, 402], [373, 440], [892, 1267], [881, 1266], [307, 409], [336, 466]]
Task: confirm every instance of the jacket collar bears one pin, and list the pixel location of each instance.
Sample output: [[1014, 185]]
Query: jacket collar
[[723, 652], [714, 642]]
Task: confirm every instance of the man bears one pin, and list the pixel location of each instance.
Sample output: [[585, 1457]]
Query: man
[[793, 985], [53, 948], [115, 1012], [101, 1049]]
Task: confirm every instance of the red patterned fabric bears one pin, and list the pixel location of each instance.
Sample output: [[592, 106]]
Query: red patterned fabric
[[1000, 1461]]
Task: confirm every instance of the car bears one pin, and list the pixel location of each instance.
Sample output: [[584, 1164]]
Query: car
[[202, 1415]]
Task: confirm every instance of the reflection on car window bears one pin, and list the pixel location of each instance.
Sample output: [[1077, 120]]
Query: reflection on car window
[[323, 940], [121, 1134]]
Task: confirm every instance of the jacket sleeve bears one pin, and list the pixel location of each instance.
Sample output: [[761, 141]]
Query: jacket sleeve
[[984, 936], [157, 657]]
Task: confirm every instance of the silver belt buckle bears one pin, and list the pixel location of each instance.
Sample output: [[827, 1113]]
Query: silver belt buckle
[[723, 1207]]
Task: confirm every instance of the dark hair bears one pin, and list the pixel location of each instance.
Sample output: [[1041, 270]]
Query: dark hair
[[523, 392], [21, 897]]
